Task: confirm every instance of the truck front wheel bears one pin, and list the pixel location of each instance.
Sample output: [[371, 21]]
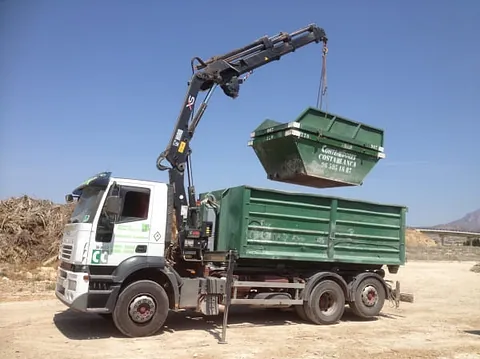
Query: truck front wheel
[[326, 304], [369, 298], [300, 310], [141, 309]]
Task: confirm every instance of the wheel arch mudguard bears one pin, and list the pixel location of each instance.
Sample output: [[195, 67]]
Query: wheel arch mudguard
[[353, 285], [132, 267], [318, 277]]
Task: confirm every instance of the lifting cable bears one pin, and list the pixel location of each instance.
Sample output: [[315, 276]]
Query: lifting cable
[[322, 88]]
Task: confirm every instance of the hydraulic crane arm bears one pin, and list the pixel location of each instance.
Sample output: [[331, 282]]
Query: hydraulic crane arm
[[223, 71]]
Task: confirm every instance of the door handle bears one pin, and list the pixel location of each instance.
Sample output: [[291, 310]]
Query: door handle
[[141, 248]]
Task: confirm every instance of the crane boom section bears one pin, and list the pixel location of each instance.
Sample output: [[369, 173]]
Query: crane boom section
[[223, 71]]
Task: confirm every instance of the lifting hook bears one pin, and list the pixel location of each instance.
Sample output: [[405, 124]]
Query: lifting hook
[[160, 159]]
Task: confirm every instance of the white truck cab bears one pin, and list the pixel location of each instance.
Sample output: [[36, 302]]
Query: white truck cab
[[95, 249]]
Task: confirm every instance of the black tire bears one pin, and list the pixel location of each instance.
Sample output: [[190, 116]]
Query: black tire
[[330, 291], [369, 298], [300, 310], [106, 316], [132, 299]]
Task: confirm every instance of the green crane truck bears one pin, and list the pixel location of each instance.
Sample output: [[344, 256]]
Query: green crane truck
[[133, 250]]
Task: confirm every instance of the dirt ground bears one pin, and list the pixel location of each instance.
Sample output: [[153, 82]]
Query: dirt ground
[[443, 322]]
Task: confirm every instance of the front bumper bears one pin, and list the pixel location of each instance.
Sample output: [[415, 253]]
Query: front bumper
[[72, 289], [84, 292]]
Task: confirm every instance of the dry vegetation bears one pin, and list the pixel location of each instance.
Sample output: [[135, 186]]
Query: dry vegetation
[[30, 229], [30, 234], [476, 268]]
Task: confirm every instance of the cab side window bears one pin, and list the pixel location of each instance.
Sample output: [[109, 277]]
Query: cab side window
[[135, 205]]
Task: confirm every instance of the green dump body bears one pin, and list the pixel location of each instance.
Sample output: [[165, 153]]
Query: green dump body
[[318, 150], [265, 224]]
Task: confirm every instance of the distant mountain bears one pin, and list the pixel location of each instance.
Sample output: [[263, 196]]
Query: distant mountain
[[469, 223]]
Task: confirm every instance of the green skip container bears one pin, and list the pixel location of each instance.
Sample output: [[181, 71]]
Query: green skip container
[[318, 150], [270, 225]]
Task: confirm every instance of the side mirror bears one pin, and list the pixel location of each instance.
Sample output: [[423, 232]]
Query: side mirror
[[69, 198], [113, 205]]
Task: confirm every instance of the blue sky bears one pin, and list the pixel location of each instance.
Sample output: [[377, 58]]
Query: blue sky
[[89, 86]]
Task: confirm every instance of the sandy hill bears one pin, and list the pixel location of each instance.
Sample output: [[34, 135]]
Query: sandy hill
[[414, 238], [469, 223]]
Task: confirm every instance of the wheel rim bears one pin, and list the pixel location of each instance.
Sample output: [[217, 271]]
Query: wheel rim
[[369, 296], [142, 308], [328, 302]]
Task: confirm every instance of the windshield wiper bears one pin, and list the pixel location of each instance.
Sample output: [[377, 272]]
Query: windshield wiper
[[74, 221]]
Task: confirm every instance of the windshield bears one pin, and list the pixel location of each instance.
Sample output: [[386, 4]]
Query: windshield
[[87, 205]]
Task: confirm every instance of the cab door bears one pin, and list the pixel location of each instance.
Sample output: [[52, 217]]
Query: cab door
[[129, 234], [132, 229]]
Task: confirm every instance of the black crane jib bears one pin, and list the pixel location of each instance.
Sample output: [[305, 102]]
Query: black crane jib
[[223, 71]]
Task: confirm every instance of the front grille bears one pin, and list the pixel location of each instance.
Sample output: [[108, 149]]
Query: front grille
[[66, 252], [99, 285]]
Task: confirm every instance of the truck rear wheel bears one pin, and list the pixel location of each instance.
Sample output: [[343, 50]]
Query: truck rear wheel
[[326, 304], [141, 309], [369, 298]]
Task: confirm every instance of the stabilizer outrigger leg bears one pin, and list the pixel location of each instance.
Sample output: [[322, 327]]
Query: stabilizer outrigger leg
[[228, 295]]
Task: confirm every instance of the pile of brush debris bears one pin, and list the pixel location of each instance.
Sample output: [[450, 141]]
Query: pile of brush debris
[[31, 229]]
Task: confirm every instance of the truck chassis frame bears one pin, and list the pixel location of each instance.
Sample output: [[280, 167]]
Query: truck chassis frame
[[233, 285], [163, 287]]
